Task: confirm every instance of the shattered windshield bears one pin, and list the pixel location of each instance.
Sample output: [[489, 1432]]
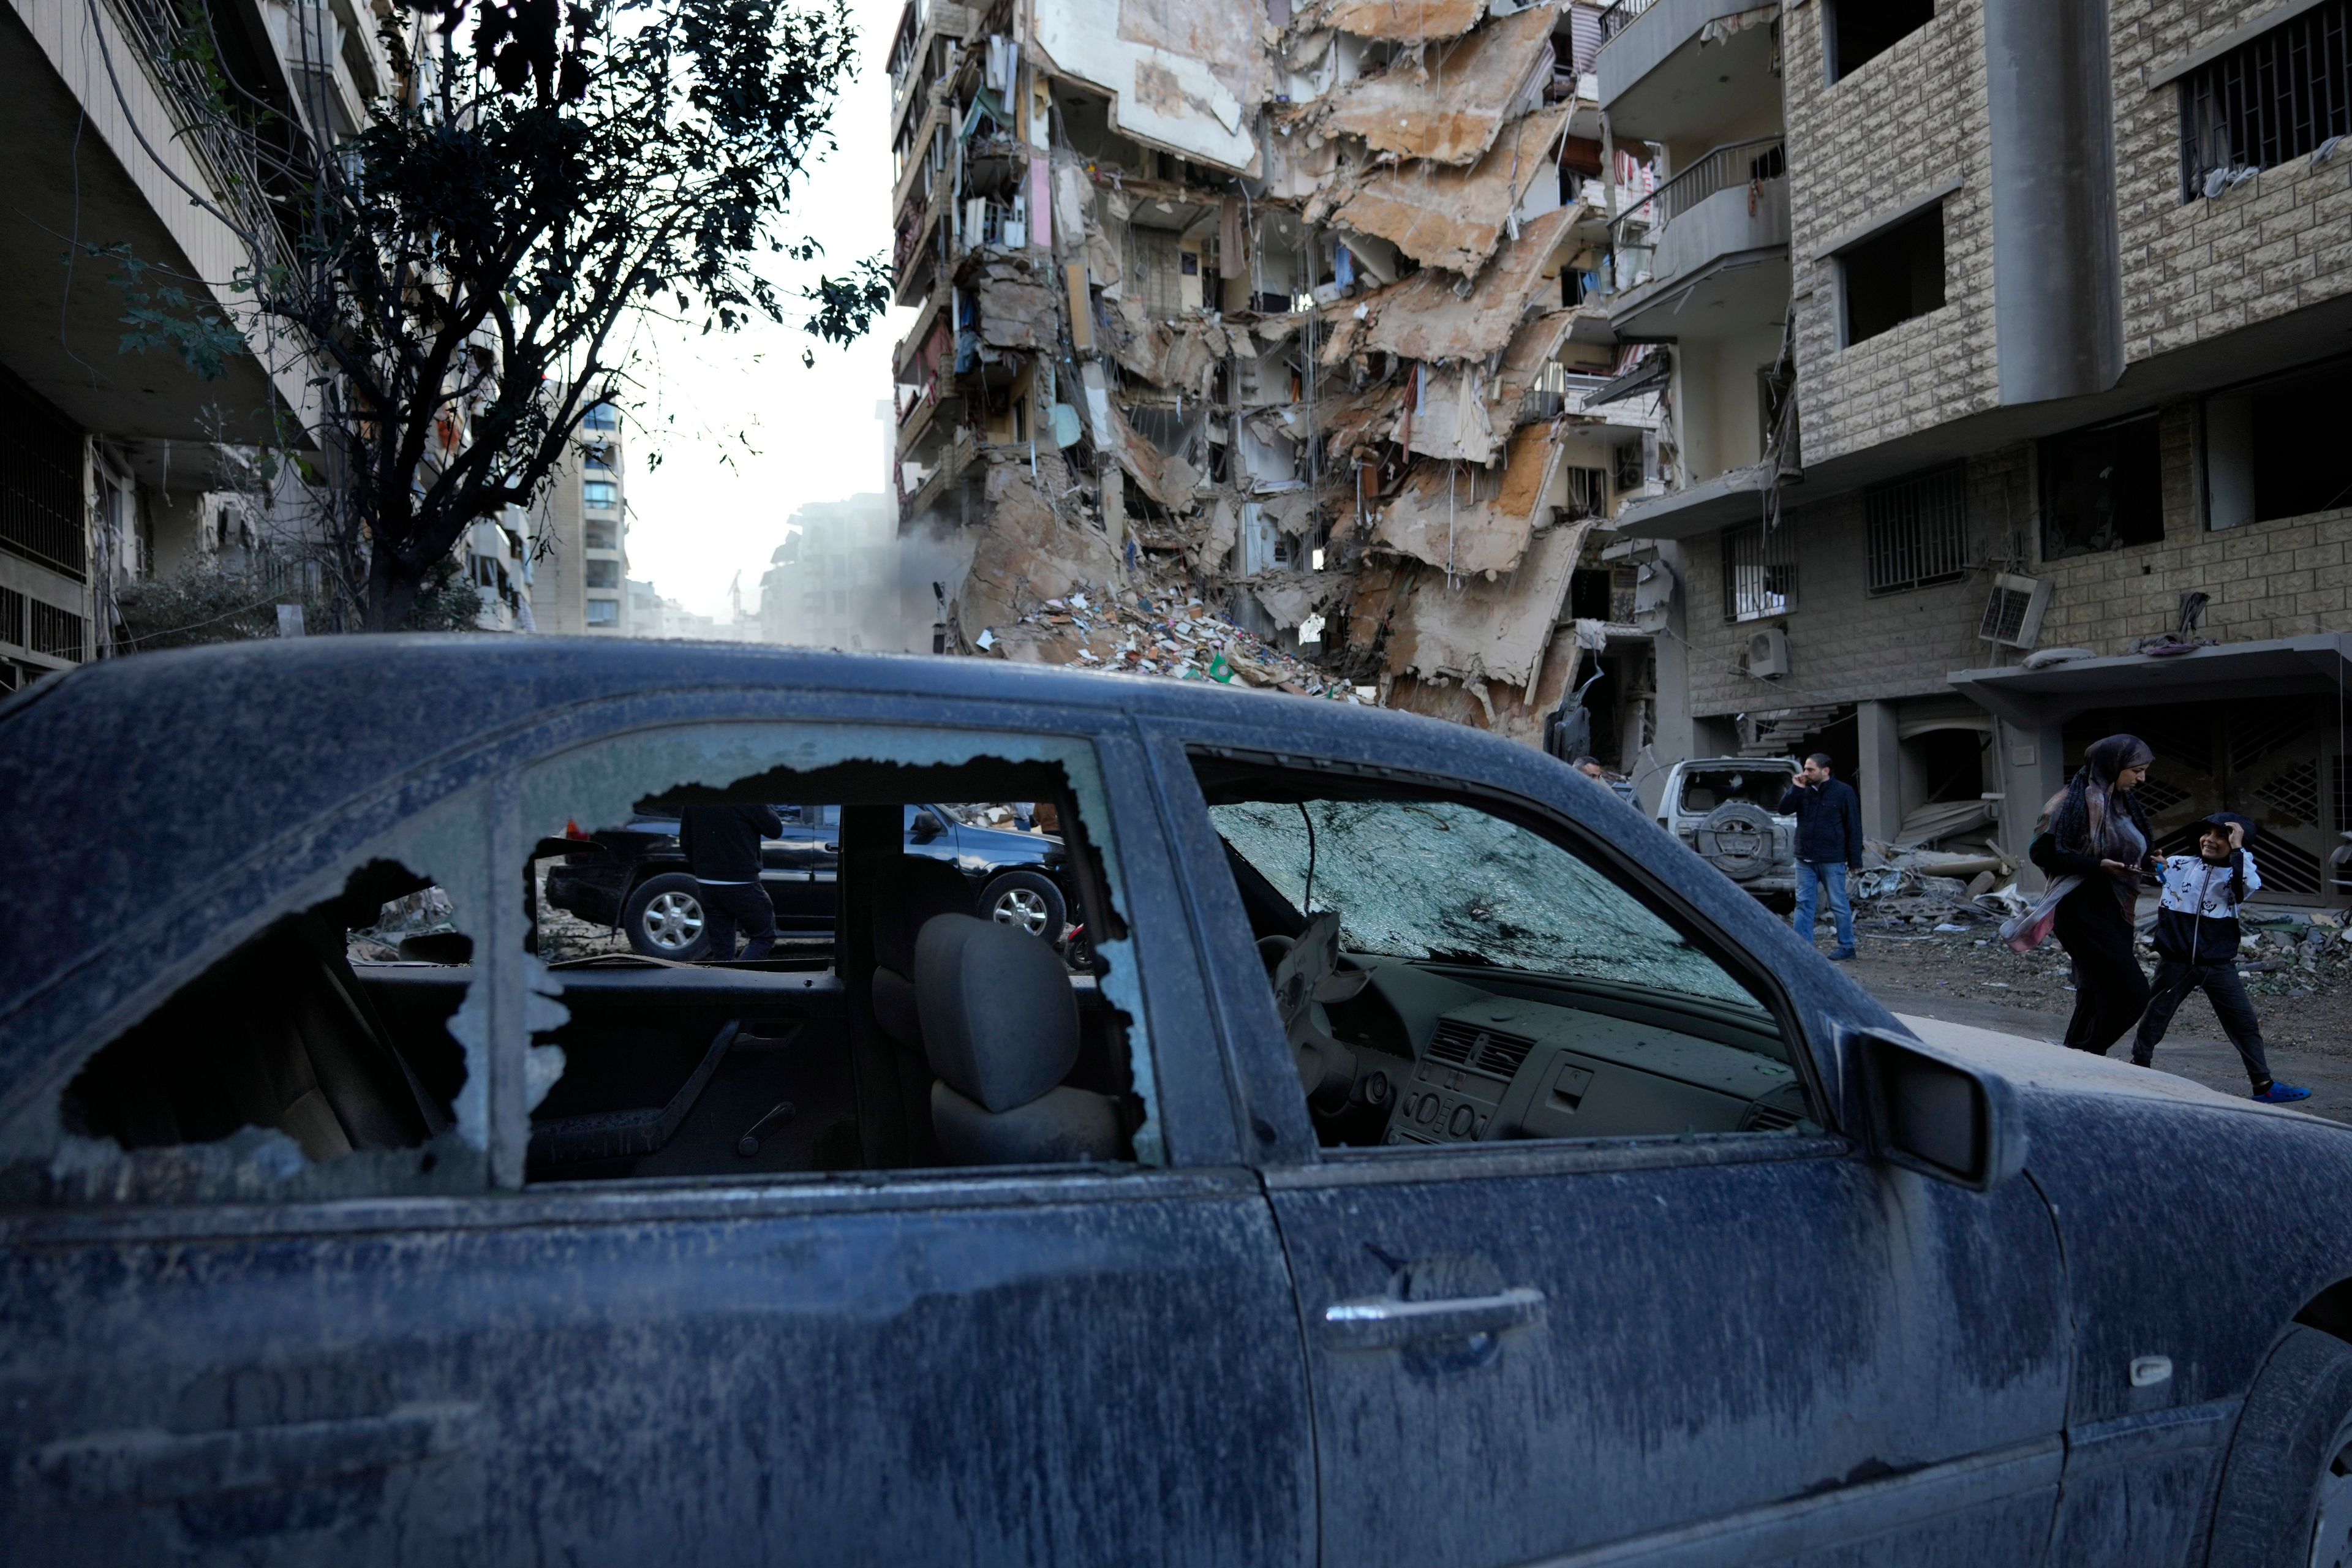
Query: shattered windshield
[[1704, 789], [1434, 880]]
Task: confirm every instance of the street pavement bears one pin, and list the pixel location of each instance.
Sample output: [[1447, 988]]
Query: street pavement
[[2208, 1059]]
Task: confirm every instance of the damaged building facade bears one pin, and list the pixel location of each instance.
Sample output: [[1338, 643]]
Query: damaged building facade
[[1287, 316], [2007, 348]]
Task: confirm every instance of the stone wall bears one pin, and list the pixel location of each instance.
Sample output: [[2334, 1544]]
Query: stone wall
[[1901, 125], [2198, 269]]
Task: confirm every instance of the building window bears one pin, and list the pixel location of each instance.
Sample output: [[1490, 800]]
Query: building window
[[41, 500], [1759, 572], [602, 573], [1919, 529], [599, 456], [2277, 451], [604, 612], [602, 494], [603, 416], [1859, 31], [1894, 276], [2271, 99], [2102, 488], [602, 536]]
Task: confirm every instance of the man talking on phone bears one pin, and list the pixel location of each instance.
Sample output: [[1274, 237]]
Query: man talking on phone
[[1828, 844]]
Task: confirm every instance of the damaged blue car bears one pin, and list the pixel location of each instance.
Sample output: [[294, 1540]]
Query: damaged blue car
[[1425, 1161]]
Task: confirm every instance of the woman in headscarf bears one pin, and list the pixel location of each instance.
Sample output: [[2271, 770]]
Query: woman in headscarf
[[2093, 843]]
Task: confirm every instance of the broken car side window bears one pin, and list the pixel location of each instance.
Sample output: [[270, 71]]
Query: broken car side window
[[314, 1059], [1446, 974], [791, 950]]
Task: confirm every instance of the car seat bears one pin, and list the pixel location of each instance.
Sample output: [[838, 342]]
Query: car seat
[[914, 889], [279, 1035], [999, 1027]]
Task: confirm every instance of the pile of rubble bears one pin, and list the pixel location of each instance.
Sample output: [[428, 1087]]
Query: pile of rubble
[[1910, 885], [1163, 632]]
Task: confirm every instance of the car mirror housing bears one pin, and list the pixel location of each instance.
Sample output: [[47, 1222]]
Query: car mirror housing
[[1940, 1117], [926, 828]]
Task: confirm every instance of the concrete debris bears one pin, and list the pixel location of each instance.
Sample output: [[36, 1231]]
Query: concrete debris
[[1401, 21], [1161, 631], [1471, 520], [1423, 317], [1449, 103], [1455, 218], [1014, 304]]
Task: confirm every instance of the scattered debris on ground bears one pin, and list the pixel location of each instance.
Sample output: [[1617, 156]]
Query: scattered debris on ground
[[1164, 632], [2297, 963]]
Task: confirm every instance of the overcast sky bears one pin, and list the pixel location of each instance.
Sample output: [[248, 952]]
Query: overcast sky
[[746, 435]]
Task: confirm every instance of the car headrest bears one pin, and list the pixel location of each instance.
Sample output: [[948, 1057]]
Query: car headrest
[[914, 888], [1000, 1021]]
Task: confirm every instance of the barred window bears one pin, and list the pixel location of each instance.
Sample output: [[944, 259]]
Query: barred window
[[1759, 572], [2271, 98], [40, 483], [1919, 529]]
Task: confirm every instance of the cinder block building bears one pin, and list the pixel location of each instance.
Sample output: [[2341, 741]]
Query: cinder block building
[[2027, 423]]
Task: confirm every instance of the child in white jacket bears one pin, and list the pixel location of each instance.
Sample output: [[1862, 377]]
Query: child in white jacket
[[2196, 947]]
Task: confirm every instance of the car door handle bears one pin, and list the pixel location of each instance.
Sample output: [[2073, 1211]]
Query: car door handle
[[1384, 1323], [147, 1465]]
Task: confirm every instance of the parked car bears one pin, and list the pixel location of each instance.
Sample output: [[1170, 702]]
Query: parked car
[[635, 876], [1436, 1165], [1727, 808]]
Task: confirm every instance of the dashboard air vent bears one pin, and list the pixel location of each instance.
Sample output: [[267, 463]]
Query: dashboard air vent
[[1504, 1053], [1455, 1042], [1770, 1119], [1460, 1043]]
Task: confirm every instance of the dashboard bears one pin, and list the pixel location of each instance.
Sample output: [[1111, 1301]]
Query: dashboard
[[1550, 1062]]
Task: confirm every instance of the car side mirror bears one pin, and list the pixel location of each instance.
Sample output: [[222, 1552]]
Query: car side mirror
[[926, 828], [1939, 1117]]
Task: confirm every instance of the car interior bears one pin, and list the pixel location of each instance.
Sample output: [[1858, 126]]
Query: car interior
[[1445, 975], [926, 1038]]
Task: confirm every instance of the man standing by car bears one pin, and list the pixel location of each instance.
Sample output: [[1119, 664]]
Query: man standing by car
[[722, 848], [1828, 844]]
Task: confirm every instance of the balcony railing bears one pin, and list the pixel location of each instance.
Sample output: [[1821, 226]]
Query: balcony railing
[[1618, 17], [1733, 163]]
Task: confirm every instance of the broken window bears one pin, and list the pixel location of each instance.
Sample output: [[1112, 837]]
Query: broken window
[[933, 970], [1856, 32], [2275, 451], [2271, 98], [318, 1058], [1448, 974], [2102, 488], [1894, 276], [1759, 572], [1919, 529]]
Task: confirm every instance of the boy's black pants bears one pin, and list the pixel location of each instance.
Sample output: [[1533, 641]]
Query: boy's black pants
[[2174, 980]]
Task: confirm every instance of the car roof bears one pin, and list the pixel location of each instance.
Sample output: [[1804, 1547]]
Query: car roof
[[134, 784]]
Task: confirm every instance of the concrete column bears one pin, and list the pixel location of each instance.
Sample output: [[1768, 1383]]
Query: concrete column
[[2033, 768], [1882, 771]]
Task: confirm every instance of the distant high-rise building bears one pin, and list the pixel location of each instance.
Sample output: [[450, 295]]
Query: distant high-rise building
[[833, 582], [581, 535]]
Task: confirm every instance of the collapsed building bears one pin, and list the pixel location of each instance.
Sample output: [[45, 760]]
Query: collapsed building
[[1289, 315]]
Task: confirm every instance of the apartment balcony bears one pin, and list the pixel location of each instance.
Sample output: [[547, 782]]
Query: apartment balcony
[[1683, 71], [1708, 255]]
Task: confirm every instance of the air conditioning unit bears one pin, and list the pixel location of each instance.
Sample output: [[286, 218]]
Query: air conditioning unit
[[1768, 653], [2012, 617]]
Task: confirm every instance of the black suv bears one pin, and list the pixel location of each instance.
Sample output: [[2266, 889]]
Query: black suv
[[635, 877]]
